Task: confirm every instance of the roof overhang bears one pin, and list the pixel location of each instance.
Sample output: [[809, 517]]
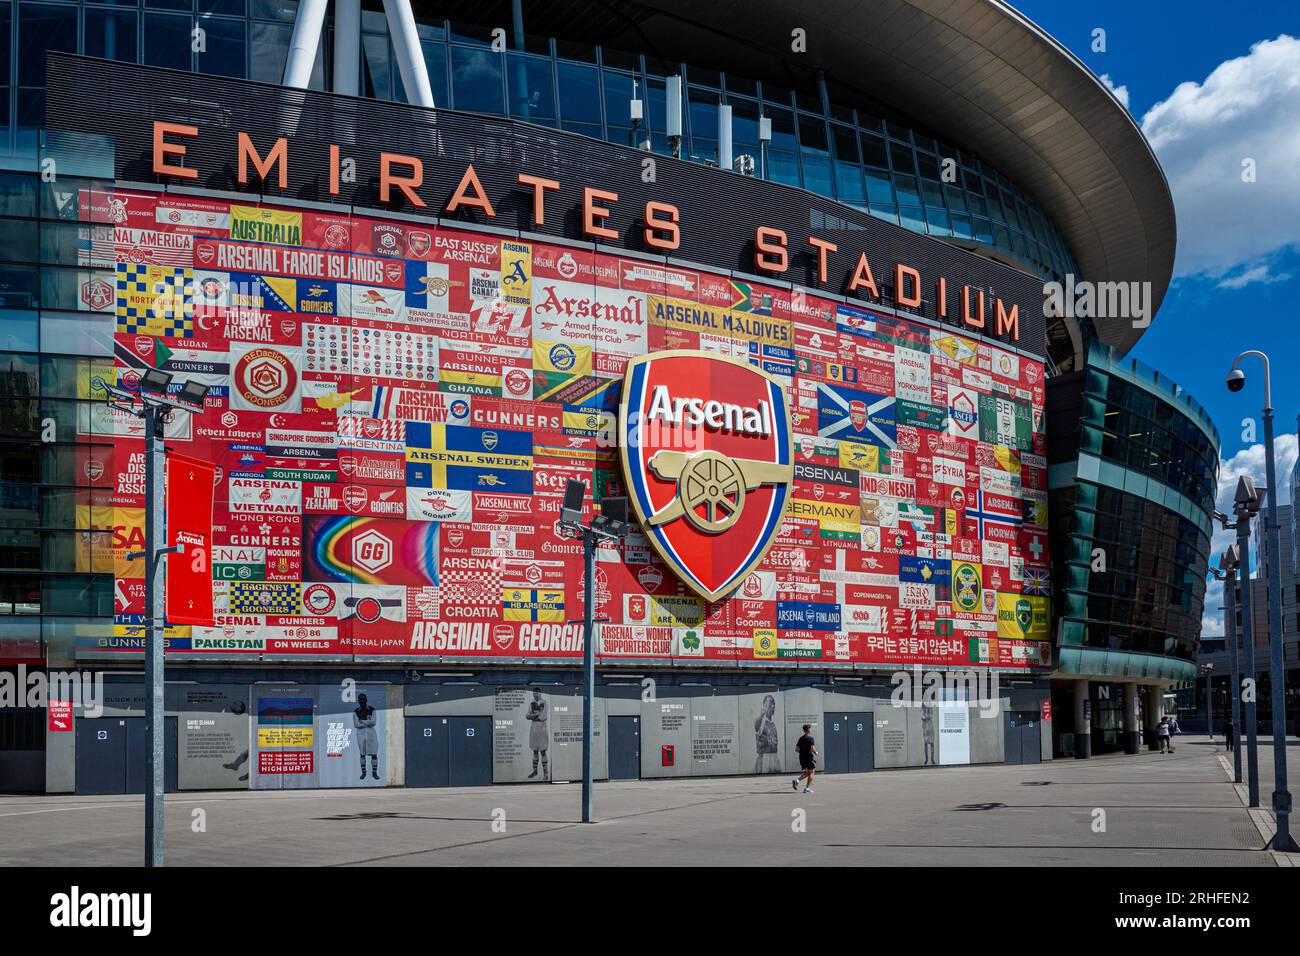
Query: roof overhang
[[978, 72]]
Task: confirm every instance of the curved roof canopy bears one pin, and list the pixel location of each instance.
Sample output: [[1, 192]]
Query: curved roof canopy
[[976, 71]]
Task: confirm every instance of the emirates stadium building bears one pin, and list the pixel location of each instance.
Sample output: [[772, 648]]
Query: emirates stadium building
[[773, 274]]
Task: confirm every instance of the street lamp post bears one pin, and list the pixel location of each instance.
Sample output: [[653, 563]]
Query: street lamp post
[[1209, 701], [1282, 840], [1242, 509], [609, 525], [1228, 563], [152, 406]]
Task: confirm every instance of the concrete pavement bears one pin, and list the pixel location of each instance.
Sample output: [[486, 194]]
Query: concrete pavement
[[1144, 810]]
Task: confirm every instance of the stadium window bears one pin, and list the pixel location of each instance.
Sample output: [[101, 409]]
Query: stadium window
[[167, 40], [435, 59], [226, 46], [476, 80], [110, 34], [530, 81]]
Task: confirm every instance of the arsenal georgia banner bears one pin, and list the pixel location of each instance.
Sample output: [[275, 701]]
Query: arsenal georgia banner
[[188, 495], [708, 457]]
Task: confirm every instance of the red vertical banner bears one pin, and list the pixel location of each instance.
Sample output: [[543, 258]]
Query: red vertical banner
[[188, 496]]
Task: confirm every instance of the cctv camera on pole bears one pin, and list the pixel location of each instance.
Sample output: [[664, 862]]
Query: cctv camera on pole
[[1249, 501], [153, 406], [609, 525]]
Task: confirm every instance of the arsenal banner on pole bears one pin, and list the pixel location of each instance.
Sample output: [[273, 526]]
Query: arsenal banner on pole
[[188, 495]]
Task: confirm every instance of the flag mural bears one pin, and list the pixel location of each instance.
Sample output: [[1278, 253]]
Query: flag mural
[[394, 411]]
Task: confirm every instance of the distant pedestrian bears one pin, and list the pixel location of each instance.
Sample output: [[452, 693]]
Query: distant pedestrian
[[1228, 730], [807, 747], [1162, 736], [1173, 725]]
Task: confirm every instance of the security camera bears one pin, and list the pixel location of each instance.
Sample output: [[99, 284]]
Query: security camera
[[413, 676], [1236, 380]]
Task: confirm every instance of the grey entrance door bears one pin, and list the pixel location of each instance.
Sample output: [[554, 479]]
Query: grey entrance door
[[101, 755], [111, 755], [849, 745], [624, 747], [426, 752], [469, 751], [1022, 743]]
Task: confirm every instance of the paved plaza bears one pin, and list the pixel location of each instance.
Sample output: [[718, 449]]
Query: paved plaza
[[1159, 810]]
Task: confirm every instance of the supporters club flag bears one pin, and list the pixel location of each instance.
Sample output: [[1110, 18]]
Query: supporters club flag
[[188, 495]]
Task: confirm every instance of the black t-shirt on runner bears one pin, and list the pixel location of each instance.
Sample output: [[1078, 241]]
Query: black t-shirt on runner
[[805, 745]]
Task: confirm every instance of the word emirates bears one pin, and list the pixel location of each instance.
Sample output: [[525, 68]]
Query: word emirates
[[662, 232]]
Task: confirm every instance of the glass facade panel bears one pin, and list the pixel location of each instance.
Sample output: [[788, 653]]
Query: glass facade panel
[[476, 80], [1147, 507], [167, 40], [531, 83], [579, 98], [224, 47], [110, 34], [556, 82]]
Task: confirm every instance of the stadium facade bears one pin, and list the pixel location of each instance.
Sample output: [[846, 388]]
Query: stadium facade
[[417, 321]]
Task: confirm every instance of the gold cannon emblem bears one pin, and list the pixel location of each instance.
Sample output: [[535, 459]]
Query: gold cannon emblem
[[711, 486]]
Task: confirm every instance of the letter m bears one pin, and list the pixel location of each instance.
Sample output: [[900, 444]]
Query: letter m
[[278, 156], [1005, 322]]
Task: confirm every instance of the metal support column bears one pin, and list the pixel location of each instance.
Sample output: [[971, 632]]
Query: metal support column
[[410, 57], [1082, 721], [1248, 666], [1282, 840], [588, 668], [1132, 735], [1230, 632], [347, 47], [307, 27], [154, 704]]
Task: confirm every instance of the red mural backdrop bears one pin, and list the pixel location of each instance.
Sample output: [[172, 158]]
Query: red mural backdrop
[[394, 409]]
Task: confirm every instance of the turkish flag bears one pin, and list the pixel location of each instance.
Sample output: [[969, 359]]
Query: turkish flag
[[188, 497]]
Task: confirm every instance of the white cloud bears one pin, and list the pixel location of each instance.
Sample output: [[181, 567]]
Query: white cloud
[[1247, 108], [1121, 92], [1250, 462], [1253, 272]]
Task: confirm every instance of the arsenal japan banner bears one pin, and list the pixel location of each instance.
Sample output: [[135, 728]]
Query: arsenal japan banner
[[188, 495]]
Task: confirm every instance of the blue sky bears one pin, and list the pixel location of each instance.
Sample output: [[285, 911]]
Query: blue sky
[[1212, 86]]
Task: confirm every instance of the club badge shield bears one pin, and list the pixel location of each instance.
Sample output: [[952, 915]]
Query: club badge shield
[[708, 458]]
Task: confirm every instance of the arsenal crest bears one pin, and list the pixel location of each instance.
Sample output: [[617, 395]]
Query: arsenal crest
[[708, 457]]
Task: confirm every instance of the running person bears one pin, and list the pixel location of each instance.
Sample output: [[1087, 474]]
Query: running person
[[807, 747]]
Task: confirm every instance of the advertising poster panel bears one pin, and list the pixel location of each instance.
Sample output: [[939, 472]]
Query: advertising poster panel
[[213, 744], [537, 735], [351, 748], [284, 727], [953, 720]]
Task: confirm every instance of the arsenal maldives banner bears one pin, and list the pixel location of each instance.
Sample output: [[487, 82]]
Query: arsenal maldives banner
[[394, 410]]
